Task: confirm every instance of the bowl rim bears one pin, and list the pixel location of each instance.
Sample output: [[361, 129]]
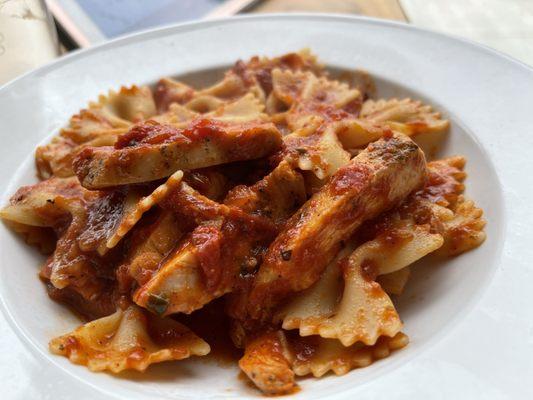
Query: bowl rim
[[193, 25]]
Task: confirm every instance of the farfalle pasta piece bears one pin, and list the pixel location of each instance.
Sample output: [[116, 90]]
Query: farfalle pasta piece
[[273, 359], [170, 92], [231, 87], [356, 133], [463, 229], [316, 356], [55, 158], [93, 122], [149, 245], [441, 204], [311, 98], [319, 151], [128, 339], [394, 282], [133, 212], [397, 247], [112, 113], [305, 87], [60, 204], [289, 86], [245, 109], [177, 115], [152, 151], [98, 125], [256, 73], [445, 181], [364, 312], [204, 103], [408, 116], [45, 204], [378, 118], [131, 104], [317, 302]]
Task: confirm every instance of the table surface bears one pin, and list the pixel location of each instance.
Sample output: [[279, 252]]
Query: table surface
[[505, 25], [388, 9]]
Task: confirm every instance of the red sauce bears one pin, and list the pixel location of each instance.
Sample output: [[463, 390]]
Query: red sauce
[[165, 94], [352, 177], [245, 242], [204, 129], [241, 70], [103, 215], [260, 70], [329, 112], [442, 187], [207, 240], [149, 132], [192, 206], [387, 134]]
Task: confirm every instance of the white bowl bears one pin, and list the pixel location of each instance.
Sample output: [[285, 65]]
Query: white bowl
[[468, 318]]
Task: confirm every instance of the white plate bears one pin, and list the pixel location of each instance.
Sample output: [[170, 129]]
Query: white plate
[[469, 319]]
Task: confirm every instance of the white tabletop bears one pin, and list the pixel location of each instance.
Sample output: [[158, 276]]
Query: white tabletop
[[505, 25]]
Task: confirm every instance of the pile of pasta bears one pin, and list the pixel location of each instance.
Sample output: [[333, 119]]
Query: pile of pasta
[[293, 201]]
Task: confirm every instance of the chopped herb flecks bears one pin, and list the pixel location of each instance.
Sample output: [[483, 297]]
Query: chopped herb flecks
[[157, 304]]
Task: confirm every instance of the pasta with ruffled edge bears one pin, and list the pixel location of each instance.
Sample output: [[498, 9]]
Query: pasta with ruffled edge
[[128, 339], [211, 228]]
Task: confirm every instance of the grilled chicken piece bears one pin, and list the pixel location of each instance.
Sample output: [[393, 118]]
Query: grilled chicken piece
[[227, 244], [206, 264], [267, 362], [150, 151], [377, 179]]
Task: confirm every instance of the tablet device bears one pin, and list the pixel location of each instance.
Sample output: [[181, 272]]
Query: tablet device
[[87, 22]]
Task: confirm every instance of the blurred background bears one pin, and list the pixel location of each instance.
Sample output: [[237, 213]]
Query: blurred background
[[33, 32]]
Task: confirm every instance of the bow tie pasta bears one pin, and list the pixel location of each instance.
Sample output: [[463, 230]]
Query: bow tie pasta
[[279, 207]]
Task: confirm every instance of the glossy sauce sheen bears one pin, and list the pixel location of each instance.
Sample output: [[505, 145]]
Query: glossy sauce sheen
[[376, 180], [162, 150]]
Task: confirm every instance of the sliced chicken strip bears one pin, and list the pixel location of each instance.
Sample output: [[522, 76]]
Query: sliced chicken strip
[[380, 177], [151, 151]]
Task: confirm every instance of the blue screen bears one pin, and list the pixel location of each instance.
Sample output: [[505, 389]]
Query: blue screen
[[117, 17]]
